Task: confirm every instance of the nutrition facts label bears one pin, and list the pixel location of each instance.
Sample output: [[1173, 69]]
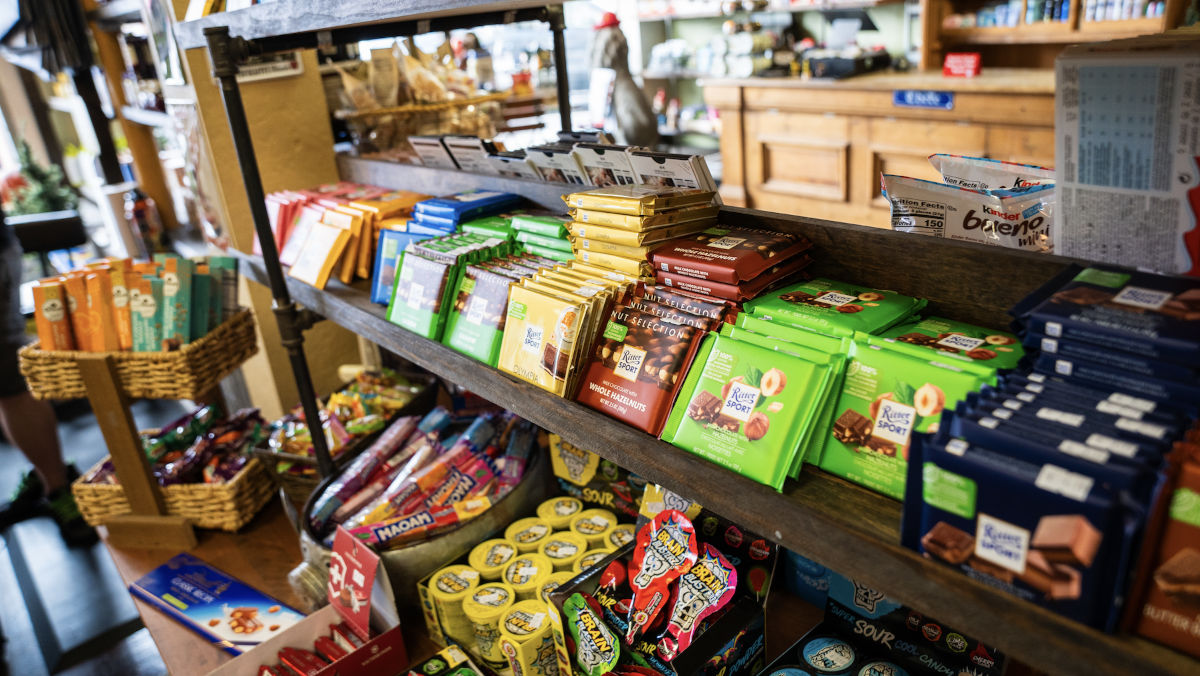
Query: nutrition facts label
[[1125, 127]]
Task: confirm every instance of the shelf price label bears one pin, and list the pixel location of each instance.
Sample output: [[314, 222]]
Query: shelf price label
[[923, 98]]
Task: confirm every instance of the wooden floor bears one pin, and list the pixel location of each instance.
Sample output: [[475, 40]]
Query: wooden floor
[[93, 626]]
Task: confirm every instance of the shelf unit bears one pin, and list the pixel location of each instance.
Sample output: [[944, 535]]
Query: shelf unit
[[1044, 38], [840, 525], [712, 10], [845, 527]]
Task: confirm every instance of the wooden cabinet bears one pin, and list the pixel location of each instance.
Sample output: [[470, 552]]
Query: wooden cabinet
[[818, 149]]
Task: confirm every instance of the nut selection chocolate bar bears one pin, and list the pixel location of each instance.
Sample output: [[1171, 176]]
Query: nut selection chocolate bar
[[728, 255]]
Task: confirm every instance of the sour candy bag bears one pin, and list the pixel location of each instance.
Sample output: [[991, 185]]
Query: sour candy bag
[[703, 590], [666, 548]]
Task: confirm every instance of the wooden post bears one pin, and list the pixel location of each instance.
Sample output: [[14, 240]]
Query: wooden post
[[149, 526]]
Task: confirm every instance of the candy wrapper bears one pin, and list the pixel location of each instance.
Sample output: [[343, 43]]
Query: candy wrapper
[[666, 549], [597, 648], [703, 590]]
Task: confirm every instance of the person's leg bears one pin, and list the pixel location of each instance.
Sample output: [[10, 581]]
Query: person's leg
[[31, 426]]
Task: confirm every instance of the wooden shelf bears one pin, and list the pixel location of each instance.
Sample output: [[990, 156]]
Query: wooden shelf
[[840, 525], [1057, 32], [713, 10], [146, 118], [1123, 28], [296, 17], [441, 181]]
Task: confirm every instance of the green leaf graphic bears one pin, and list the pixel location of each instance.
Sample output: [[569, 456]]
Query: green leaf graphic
[[753, 376], [904, 393]]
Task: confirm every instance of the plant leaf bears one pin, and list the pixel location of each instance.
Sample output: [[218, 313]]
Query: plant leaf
[[904, 393], [753, 376]]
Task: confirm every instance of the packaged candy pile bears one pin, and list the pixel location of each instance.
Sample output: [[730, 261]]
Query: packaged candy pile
[[201, 447], [425, 475], [360, 409]]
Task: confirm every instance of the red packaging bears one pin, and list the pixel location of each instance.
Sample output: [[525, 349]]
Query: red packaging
[[345, 637], [666, 548], [268, 670], [961, 64], [670, 314], [705, 306], [703, 590], [1170, 610], [773, 277], [727, 255], [301, 662], [329, 649], [638, 366]]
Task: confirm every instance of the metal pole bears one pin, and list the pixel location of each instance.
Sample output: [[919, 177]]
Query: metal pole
[[225, 53], [85, 86], [554, 16]]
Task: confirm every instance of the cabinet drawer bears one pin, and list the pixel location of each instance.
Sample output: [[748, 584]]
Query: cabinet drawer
[[1028, 145], [797, 155], [903, 147]]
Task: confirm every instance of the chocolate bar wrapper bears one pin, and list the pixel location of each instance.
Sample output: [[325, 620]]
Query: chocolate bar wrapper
[[649, 237], [546, 226], [1099, 375], [1072, 400], [638, 366], [699, 213], [1036, 445], [476, 322], [557, 163], [1140, 313], [1132, 364], [605, 165], [1075, 413], [637, 200], [466, 205], [776, 276], [728, 255], [1058, 509], [1172, 411], [959, 344], [836, 308]]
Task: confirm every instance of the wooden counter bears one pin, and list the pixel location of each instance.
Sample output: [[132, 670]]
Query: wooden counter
[[261, 555], [817, 147]]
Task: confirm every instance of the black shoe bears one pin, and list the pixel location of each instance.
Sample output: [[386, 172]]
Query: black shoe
[[74, 530], [26, 501]]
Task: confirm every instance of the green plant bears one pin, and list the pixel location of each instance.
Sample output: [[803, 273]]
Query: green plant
[[46, 188]]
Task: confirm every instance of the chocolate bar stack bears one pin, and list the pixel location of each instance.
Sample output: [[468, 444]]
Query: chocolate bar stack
[[617, 227], [734, 264], [1066, 460], [544, 236]]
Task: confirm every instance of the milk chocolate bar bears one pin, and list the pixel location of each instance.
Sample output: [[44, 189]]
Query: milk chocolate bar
[[1067, 538], [1179, 576], [882, 446], [728, 255], [948, 543], [852, 427], [785, 273]]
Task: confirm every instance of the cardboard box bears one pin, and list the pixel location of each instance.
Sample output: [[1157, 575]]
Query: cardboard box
[[357, 584], [1127, 137]]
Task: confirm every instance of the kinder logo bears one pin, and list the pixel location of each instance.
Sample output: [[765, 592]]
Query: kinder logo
[[961, 342], [726, 242], [1137, 296], [630, 363], [894, 422], [835, 299], [997, 223], [1001, 543], [740, 402]]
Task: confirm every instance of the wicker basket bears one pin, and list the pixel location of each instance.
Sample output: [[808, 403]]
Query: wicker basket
[[226, 506], [186, 373]]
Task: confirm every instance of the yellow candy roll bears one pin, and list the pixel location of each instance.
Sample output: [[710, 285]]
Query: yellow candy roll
[[559, 511], [595, 525], [590, 558], [621, 535], [563, 549], [552, 582], [484, 607], [526, 640], [527, 533], [448, 587], [491, 557], [526, 573]]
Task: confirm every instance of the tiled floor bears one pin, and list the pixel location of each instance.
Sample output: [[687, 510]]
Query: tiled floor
[[96, 629]]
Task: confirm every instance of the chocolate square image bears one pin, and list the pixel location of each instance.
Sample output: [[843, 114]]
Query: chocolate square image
[[1067, 538], [1179, 577], [950, 544]]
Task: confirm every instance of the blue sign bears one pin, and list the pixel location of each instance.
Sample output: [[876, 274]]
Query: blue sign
[[921, 98]]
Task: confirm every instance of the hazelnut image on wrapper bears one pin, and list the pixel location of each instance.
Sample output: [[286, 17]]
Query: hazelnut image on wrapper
[[929, 400], [981, 353], [870, 295], [773, 382], [999, 340], [757, 426]]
